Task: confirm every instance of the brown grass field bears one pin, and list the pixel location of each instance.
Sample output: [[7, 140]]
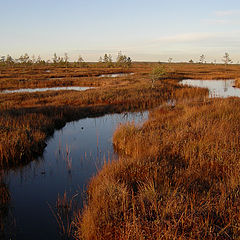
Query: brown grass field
[[27, 119], [50, 76], [178, 175]]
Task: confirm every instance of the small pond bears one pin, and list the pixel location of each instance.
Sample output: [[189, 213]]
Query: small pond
[[113, 75], [217, 88], [32, 90], [72, 156]]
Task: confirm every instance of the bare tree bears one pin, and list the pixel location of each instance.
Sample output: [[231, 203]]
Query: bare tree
[[170, 60], [202, 59], [226, 59], [81, 62], [66, 59]]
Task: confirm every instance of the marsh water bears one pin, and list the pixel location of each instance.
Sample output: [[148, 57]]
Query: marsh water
[[217, 88], [69, 88], [72, 156], [115, 75], [32, 90]]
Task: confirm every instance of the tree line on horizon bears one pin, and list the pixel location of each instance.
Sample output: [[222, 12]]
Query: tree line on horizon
[[104, 61], [225, 59]]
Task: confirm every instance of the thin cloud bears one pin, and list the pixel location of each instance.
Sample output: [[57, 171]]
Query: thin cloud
[[216, 21], [187, 37], [227, 13]]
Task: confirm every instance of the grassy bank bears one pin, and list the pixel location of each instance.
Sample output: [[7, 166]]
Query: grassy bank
[[27, 119], [33, 76], [51, 76], [159, 189], [179, 180]]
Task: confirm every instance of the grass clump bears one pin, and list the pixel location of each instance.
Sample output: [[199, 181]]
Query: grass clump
[[179, 181], [27, 119]]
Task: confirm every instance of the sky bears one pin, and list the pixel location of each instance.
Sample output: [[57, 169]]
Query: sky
[[145, 30]]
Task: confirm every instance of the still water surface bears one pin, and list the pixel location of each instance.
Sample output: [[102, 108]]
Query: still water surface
[[73, 155], [75, 88], [217, 88], [32, 90], [113, 75], [71, 158]]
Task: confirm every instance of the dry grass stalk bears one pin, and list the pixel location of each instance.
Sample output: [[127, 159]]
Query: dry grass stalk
[[181, 180]]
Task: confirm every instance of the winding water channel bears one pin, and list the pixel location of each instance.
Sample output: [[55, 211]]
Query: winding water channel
[[72, 156]]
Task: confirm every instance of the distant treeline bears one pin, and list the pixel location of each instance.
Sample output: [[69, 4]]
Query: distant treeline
[[104, 61]]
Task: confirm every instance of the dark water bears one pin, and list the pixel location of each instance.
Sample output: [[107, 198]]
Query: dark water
[[31, 90], [72, 156], [217, 88]]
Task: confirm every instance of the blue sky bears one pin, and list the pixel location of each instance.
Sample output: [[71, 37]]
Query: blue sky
[[150, 30]]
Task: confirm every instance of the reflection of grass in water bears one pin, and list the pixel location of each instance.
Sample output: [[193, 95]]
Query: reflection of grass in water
[[63, 212], [68, 159], [6, 221], [26, 120], [180, 181], [66, 206], [95, 156]]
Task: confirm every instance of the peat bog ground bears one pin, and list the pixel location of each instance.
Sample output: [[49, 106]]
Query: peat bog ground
[[177, 177]]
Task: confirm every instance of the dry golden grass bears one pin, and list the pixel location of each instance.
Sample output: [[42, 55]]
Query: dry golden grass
[[27, 119], [16, 77], [179, 181], [237, 82], [206, 71], [50, 76]]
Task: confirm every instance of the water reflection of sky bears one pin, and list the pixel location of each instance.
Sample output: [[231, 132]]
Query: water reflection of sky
[[73, 155], [31, 90], [116, 75], [217, 88]]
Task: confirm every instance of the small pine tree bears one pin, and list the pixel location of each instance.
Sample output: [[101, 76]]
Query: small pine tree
[[107, 60], [9, 60], [55, 58], [123, 60], [157, 73]]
